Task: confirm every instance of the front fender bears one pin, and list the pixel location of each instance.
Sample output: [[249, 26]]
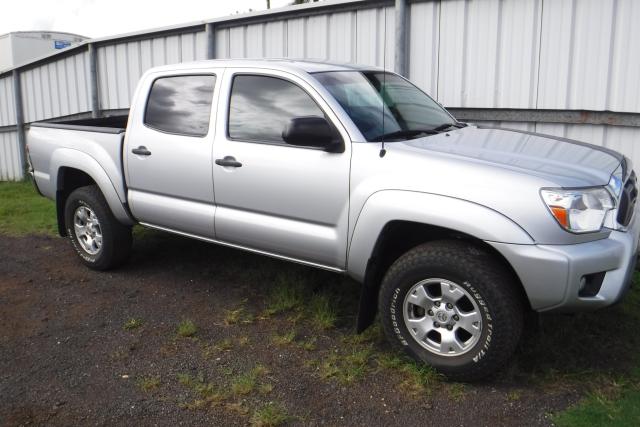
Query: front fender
[[70, 158], [459, 215]]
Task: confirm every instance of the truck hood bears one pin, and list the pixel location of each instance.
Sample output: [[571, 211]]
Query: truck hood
[[565, 162]]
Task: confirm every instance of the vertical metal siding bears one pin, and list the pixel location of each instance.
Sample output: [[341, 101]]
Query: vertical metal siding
[[424, 34], [10, 168], [7, 106], [488, 52], [56, 89], [547, 54], [352, 36], [121, 65]]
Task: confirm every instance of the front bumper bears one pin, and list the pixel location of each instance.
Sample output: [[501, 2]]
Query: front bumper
[[552, 274]]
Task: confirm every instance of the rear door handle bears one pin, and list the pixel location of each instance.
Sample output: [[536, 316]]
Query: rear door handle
[[141, 151], [229, 161]]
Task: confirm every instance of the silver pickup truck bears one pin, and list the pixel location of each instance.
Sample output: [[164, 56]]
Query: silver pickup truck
[[457, 232]]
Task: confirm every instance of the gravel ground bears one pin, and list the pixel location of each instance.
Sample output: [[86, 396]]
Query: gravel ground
[[66, 359]]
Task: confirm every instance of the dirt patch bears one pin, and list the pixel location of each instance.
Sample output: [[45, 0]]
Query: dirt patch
[[66, 357]]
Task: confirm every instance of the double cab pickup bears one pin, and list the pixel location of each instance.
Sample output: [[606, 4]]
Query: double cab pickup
[[455, 231]]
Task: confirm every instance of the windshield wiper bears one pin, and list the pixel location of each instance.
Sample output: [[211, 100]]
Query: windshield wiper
[[447, 126], [406, 133]]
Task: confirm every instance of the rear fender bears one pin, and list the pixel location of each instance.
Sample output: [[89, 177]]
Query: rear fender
[[75, 159]]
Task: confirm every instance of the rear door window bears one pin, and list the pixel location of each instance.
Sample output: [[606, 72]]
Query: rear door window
[[181, 104]]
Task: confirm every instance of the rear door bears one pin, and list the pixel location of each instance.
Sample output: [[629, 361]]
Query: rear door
[[287, 200], [168, 153]]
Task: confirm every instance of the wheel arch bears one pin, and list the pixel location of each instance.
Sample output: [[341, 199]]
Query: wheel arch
[[399, 221], [73, 169]]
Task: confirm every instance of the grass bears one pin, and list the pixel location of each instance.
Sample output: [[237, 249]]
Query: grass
[[597, 410], [246, 382], [239, 315], [270, 415], [132, 324], [417, 379], [187, 328], [23, 211], [323, 311], [286, 295], [346, 367], [149, 383], [285, 339], [207, 392]]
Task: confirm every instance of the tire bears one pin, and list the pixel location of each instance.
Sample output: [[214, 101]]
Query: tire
[[94, 220], [489, 309]]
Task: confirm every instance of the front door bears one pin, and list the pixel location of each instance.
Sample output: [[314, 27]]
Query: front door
[[168, 155], [286, 200]]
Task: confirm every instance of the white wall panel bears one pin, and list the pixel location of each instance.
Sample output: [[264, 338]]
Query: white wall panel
[[624, 81], [296, 38], [347, 37], [423, 49], [275, 42], [7, 105], [10, 168], [487, 52], [222, 43], [575, 56], [367, 36], [342, 37], [121, 65], [56, 89]]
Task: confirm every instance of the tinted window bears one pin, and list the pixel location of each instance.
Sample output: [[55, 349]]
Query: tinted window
[[262, 106], [181, 104]]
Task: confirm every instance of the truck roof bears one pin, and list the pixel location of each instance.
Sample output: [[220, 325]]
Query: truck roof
[[285, 64]]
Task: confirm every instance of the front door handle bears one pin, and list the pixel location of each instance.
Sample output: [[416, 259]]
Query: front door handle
[[141, 151], [229, 161]]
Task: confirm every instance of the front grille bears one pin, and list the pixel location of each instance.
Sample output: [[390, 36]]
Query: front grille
[[628, 200]]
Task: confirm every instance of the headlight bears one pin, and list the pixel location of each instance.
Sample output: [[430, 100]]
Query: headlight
[[580, 210], [615, 183]]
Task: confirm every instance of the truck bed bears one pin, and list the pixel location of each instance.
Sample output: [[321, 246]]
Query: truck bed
[[96, 144]]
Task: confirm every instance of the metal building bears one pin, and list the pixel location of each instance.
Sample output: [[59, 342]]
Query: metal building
[[561, 67], [23, 46]]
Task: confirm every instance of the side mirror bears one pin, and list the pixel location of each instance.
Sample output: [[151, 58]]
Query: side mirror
[[312, 131]]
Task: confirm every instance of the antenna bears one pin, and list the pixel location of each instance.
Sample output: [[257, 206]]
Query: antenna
[[384, 79]]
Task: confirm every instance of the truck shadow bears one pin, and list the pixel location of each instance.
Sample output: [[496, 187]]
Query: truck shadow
[[597, 346]]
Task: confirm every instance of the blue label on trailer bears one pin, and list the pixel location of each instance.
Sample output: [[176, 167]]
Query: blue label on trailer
[[61, 44]]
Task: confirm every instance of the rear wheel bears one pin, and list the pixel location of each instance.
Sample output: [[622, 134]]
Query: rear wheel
[[98, 238], [454, 307]]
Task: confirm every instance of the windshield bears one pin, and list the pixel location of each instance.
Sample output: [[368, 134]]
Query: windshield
[[365, 95]]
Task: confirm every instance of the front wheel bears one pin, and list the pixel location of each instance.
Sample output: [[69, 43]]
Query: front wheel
[[98, 238], [453, 306]]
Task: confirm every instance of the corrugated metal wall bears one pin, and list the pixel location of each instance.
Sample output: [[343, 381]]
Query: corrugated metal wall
[[353, 36], [56, 89], [519, 54], [120, 66], [7, 107], [10, 168]]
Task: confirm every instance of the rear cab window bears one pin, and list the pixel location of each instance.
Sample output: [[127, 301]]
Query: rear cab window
[[180, 104]]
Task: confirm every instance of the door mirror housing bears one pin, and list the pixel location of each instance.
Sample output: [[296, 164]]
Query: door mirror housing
[[313, 131]]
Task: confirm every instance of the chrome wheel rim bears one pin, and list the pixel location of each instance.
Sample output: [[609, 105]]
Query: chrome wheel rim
[[87, 229], [442, 317]]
